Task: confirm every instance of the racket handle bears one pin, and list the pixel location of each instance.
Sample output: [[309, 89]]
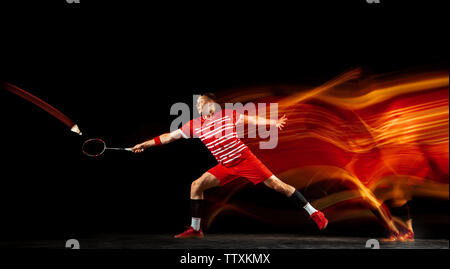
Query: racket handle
[[127, 149]]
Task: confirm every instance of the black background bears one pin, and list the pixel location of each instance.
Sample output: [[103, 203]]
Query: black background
[[116, 67]]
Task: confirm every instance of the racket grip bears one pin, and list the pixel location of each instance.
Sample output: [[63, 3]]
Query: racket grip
[[127, 149]]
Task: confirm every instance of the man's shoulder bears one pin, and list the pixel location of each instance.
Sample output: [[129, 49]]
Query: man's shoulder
[[228, 111], [196, 122]]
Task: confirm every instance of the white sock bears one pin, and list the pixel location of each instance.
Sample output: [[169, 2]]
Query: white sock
[[196, 223], [310, 209]]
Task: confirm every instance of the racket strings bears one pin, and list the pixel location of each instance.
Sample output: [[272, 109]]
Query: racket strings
[[94, 147]]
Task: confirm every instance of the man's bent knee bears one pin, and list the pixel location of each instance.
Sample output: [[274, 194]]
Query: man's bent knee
[[195, 184], [203, 183]]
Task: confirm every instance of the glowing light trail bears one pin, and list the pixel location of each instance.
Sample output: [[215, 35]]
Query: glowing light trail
[[43, 105]]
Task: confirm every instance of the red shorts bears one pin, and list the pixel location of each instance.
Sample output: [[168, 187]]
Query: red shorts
[[250, 168]]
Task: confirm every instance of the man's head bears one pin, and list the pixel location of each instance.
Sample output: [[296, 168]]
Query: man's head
[[206, 105]]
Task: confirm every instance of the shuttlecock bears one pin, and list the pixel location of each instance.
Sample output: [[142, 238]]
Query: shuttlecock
[[75, 129]]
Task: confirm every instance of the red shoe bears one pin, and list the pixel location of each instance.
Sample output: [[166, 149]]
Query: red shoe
[[410, 236], [320, 219], [190, 233], [393, 237], [407, 237]]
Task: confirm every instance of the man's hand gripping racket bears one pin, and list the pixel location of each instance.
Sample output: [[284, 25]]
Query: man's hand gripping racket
[[139, 147]]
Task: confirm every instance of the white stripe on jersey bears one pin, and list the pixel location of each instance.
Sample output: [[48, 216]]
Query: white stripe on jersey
[[229, 124], [209, 123], [218, 140], [225, 147], [221, 130], [224, 156], [224, 118], [234, 153], [206, 127], [221, 138]]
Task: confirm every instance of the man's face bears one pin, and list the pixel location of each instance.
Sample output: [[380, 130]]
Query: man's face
[[205, 106]]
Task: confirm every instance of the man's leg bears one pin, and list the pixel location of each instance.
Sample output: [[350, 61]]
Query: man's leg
[[297, 198], [206, 181], [401, 210], [276, 184]]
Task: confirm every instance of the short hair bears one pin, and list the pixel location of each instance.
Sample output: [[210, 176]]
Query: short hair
[[209, 95]]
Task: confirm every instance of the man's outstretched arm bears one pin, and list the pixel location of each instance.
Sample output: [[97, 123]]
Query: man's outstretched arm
[[255, 120], [159, 140]]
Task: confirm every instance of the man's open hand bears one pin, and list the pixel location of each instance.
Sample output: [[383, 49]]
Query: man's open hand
[[281, 122]]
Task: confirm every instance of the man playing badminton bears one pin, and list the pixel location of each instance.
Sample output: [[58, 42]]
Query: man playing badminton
[[217, 130]]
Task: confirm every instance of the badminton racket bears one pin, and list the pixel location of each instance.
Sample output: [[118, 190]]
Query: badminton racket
[[95, 147]]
